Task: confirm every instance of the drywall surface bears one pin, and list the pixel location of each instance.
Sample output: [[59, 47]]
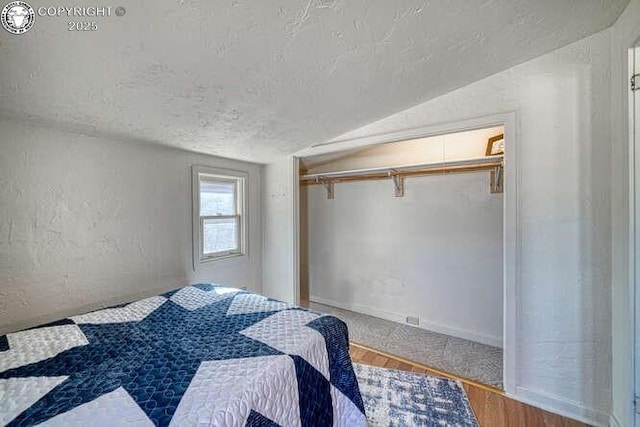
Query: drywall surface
[[279, 275], [562, 105], [88, 221], [440, 148], [435, 253], [625, 33]]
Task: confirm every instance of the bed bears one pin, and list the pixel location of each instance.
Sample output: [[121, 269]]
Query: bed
[[201, 355]]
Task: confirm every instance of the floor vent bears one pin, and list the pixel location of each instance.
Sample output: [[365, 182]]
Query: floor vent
[[413, 320]]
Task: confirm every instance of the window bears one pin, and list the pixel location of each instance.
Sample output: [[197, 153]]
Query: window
[[219, 217]]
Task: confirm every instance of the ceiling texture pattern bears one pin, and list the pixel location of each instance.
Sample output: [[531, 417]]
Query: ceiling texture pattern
[[255, 80]]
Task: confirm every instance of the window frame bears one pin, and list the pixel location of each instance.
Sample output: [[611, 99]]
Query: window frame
[[241, 208]]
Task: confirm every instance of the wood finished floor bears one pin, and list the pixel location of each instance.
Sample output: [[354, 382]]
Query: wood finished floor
[[491, 406]]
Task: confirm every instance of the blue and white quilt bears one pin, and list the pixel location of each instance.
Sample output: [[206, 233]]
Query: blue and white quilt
[[203, 355]]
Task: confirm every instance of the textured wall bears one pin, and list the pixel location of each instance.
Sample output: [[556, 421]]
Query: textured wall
[[625, 33], [87, 221], [435, 253], [562, 106], [278, 276]]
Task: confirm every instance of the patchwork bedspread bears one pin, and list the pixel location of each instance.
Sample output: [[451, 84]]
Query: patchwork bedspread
[[202, 355]]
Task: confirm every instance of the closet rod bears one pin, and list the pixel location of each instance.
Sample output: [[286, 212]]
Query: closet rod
[[455, 166]]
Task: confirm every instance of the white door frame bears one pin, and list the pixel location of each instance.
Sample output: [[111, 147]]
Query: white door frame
[[295, 206], [511, 219], [634, 278]]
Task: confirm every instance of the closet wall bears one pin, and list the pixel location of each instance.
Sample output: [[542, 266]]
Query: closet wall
[[435, 253]]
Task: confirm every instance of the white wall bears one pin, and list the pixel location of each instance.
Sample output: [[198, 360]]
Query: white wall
[[279, 276], [88, 221], [435, 253], [431, 149], [562, 105], [625, 32]]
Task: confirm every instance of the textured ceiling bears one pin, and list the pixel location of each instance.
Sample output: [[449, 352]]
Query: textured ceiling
[[254, 80]]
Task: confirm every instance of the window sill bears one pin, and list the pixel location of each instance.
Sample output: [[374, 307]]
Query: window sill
[[206, 260]]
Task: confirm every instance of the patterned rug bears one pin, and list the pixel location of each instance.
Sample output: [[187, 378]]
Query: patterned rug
[[398, 398]]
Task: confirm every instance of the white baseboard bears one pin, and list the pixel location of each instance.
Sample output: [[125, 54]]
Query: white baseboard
[[613, 422], [566, 408], [424, 323]]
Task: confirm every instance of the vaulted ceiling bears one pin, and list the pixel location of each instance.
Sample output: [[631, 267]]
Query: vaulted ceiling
[[255, 80]]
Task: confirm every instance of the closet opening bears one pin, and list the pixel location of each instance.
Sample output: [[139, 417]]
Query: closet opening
[[404, 241]]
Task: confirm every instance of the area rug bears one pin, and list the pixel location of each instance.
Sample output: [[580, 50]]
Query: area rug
[[398, 398]]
